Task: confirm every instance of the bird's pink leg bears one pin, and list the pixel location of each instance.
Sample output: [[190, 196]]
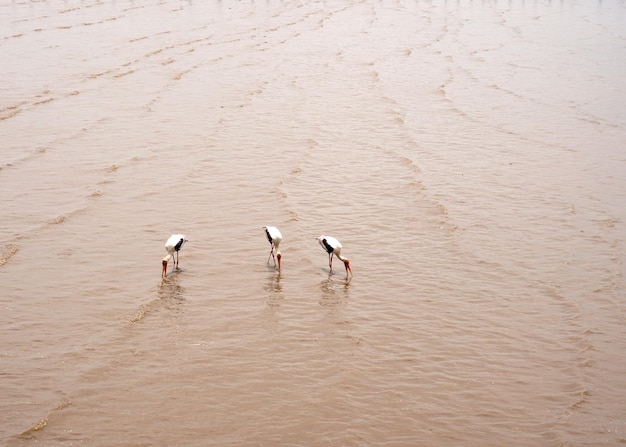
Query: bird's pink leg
[[330, 261], [271, 255]]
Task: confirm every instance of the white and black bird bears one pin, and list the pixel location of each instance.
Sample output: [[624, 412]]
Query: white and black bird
[[173, 246], [333, 247], [274, 237]]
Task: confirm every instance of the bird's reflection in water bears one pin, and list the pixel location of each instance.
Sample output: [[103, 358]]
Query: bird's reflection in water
[[171, 295], [273, 301], [334, 291], [334, 299], [170, 290], [274, 290]]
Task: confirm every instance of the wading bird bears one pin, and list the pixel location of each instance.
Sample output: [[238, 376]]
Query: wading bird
[[274, 236], [173, 246], [333, 247]]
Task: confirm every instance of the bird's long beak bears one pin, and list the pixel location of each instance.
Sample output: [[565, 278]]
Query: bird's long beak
[[348, 269], [164, 262], [278, 256]]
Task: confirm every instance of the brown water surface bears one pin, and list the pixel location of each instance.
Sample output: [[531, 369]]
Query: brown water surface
[[470, 156]]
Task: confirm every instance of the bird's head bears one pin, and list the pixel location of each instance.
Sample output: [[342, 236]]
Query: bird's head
[[164, 262], [278, 256], [346, 263]]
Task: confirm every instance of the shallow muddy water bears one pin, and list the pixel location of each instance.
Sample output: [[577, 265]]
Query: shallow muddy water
[[470, 156]]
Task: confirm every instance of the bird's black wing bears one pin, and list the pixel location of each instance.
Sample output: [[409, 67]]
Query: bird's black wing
[[327, 246], [180, 244], [267, 233]]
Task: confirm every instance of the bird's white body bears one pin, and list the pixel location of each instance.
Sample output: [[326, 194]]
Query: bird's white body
[[175, 243], [333, 247], [330, 242], [173, 246], [274, 237]]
